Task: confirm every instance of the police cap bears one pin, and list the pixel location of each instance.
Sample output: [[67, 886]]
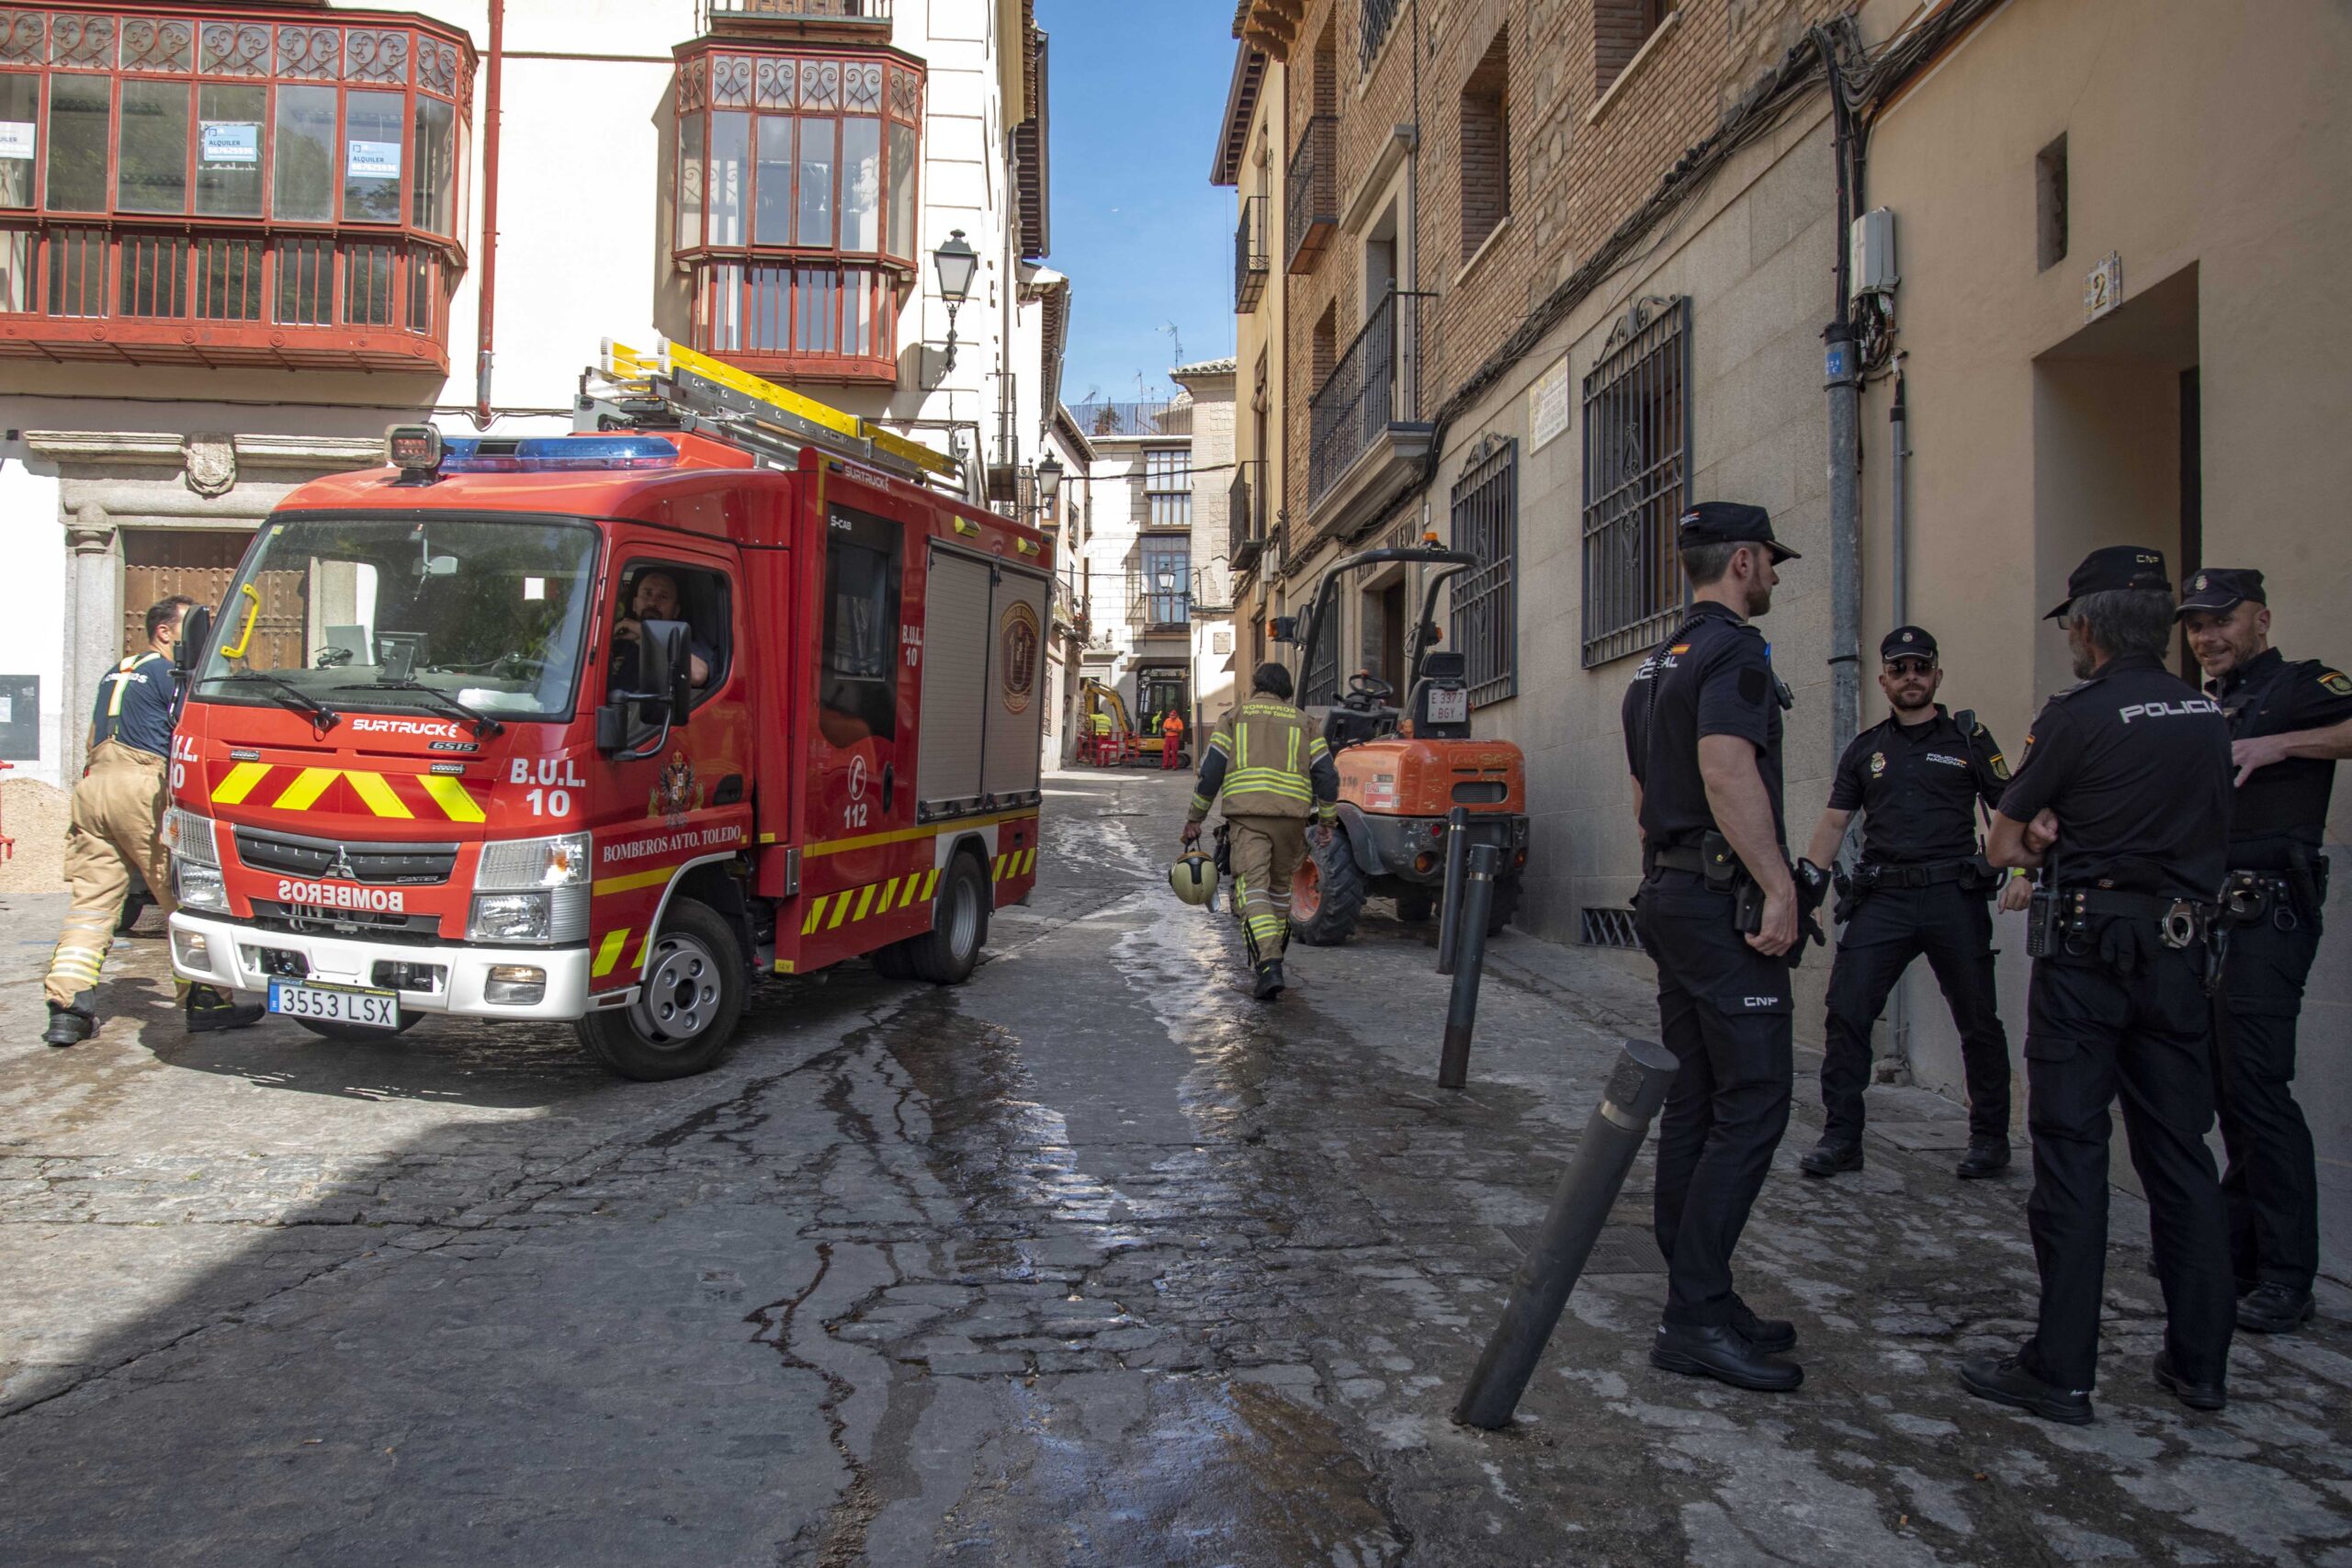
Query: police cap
[[1908, 642], [2118, 568], [1730, 522], [2219, 588]]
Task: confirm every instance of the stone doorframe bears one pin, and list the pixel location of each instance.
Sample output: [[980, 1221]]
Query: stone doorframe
[[109, 481]]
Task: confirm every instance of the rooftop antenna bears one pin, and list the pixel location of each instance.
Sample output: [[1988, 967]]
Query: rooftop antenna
[[1175, 344]]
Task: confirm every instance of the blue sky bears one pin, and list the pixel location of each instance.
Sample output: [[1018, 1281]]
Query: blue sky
[[1146, 239]]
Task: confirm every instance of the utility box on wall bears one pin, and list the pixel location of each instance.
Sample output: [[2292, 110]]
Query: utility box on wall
[[20, 719]]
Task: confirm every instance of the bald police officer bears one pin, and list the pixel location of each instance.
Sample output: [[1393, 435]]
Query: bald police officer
[[2122, 798], [2289, 723], [1921, 887], [1703, 738]]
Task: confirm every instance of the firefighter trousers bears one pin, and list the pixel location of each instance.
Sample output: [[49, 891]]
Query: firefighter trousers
[[1266, 851], [117, 823]]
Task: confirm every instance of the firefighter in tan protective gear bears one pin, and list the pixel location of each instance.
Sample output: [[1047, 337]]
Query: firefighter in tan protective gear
[[117, 823], [1275, 774]]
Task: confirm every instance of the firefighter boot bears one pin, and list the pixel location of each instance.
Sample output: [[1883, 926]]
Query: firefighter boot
[[1270, 980], [69, 1024], [208, 1009]]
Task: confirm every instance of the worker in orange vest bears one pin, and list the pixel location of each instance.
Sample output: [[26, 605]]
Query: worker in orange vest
[[1171, 740]]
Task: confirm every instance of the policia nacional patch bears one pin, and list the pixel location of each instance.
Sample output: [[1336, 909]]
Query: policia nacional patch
[[2338, 683]]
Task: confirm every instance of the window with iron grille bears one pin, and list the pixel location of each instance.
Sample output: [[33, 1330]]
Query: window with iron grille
[[1165, 587], [1167, 487], [1636, 476], [1599, 926], [1377, 18], [1486, 598]]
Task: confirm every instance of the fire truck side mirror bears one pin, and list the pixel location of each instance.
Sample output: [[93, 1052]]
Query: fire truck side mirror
[[664, 690], [666, 666], [196, 630]]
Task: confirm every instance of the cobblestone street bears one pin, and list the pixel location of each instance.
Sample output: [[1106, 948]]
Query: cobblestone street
[[1092, 1261]]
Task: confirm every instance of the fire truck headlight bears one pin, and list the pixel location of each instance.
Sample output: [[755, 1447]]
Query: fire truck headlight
[[510, 916], [516, 866], [189, 837], [200, 887]]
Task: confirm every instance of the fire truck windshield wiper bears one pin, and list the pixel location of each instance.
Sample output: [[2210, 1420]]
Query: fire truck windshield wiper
[[436, 698], [317, 712]]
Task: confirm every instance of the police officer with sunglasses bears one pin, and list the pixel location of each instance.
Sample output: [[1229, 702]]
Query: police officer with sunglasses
[[1922, 887]]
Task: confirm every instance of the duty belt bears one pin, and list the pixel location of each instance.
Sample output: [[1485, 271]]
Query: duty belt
[[2179, 921], [2250, 896], [1693, 859], [1875, 875]]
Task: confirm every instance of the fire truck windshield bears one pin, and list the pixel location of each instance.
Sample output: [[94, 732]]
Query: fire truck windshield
[[482, 616]]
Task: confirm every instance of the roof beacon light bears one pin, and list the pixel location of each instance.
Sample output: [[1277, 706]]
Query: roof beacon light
[[416, 451], [557, 454]]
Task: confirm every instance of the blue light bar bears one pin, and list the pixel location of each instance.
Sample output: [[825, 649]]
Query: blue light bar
[[555, 454]]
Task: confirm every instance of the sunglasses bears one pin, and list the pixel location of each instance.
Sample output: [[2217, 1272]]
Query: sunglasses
[[1899, 667]]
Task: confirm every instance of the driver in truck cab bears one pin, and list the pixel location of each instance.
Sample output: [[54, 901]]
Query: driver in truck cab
[[656, 598], [1275, 772]]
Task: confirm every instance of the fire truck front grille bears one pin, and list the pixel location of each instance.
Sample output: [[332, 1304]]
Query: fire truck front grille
[[397, 865], [309, 917]]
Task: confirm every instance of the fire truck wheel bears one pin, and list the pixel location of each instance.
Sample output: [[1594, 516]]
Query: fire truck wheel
[[959, 926], [1327, 894], [685, 1014], [894, 961]]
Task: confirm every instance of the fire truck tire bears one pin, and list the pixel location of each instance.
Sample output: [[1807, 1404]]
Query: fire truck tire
[[686, 1014], [947, 955], [1327, 894], [894, 961], [357, 1034]]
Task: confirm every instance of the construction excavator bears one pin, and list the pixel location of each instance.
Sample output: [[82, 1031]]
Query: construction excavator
[[1094, 696], [1402, 771]]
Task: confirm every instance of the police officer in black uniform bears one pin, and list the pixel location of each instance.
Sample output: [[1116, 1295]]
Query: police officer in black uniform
[[2122, 798], [1921, 887], [2289, 723], [1702, 736]]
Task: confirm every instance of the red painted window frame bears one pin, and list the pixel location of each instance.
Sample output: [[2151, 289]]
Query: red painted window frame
[[713, 266], [190, 339]]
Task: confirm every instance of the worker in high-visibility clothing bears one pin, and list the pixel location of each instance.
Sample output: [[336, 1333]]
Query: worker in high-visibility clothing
[[1275, 774], [1101, 738], [1171, 740], [117, 823]]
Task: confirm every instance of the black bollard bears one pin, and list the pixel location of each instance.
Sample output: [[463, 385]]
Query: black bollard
[[1580, 1206], [1470, 960], [1449, 916]]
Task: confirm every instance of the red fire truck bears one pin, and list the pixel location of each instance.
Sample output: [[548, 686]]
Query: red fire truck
[[598, 726]]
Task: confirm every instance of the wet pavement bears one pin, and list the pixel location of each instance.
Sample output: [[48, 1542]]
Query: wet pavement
[[1092, 1261]]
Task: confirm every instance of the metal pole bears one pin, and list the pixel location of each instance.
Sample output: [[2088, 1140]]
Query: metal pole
[[1580, 1206], [1462, 1012], [1898, 518], [1449, 917], [1844, 384]]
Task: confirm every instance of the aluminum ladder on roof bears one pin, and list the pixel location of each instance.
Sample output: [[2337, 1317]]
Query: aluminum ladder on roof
[[676, 387]]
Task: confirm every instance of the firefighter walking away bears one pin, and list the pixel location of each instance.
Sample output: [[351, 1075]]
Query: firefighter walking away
[[1275, 774]]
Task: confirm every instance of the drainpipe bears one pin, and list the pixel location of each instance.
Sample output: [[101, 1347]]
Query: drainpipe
[[487, 330], [1897, 518], [1843, 380]]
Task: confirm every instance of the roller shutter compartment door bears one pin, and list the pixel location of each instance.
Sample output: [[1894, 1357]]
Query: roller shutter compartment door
[[955, 682], [1017, 691]]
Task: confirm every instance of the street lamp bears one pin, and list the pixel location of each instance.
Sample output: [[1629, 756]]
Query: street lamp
[[1048, 487], [956, 261]]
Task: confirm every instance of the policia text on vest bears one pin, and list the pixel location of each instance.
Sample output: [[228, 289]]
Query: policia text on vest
[[117, 825], [1275, 774]]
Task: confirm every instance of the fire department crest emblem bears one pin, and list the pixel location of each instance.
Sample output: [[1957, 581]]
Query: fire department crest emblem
[[1018, 643], [1878, 763], [676, 791]]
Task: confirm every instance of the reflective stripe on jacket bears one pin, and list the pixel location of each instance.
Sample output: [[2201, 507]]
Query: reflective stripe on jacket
[[1267, 763]]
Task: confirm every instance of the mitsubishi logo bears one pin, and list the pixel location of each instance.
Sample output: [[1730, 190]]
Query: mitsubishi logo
[[339, 868]]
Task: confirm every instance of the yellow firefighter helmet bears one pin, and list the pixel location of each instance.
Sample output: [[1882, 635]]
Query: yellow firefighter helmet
[[1193, 876]]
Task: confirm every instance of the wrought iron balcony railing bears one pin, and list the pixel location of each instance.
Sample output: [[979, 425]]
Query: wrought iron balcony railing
[[1312, 196], [1251, 262], [1131, 422], [1375, 385]]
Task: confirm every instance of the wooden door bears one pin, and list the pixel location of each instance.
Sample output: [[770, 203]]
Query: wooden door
[[200, 563]]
